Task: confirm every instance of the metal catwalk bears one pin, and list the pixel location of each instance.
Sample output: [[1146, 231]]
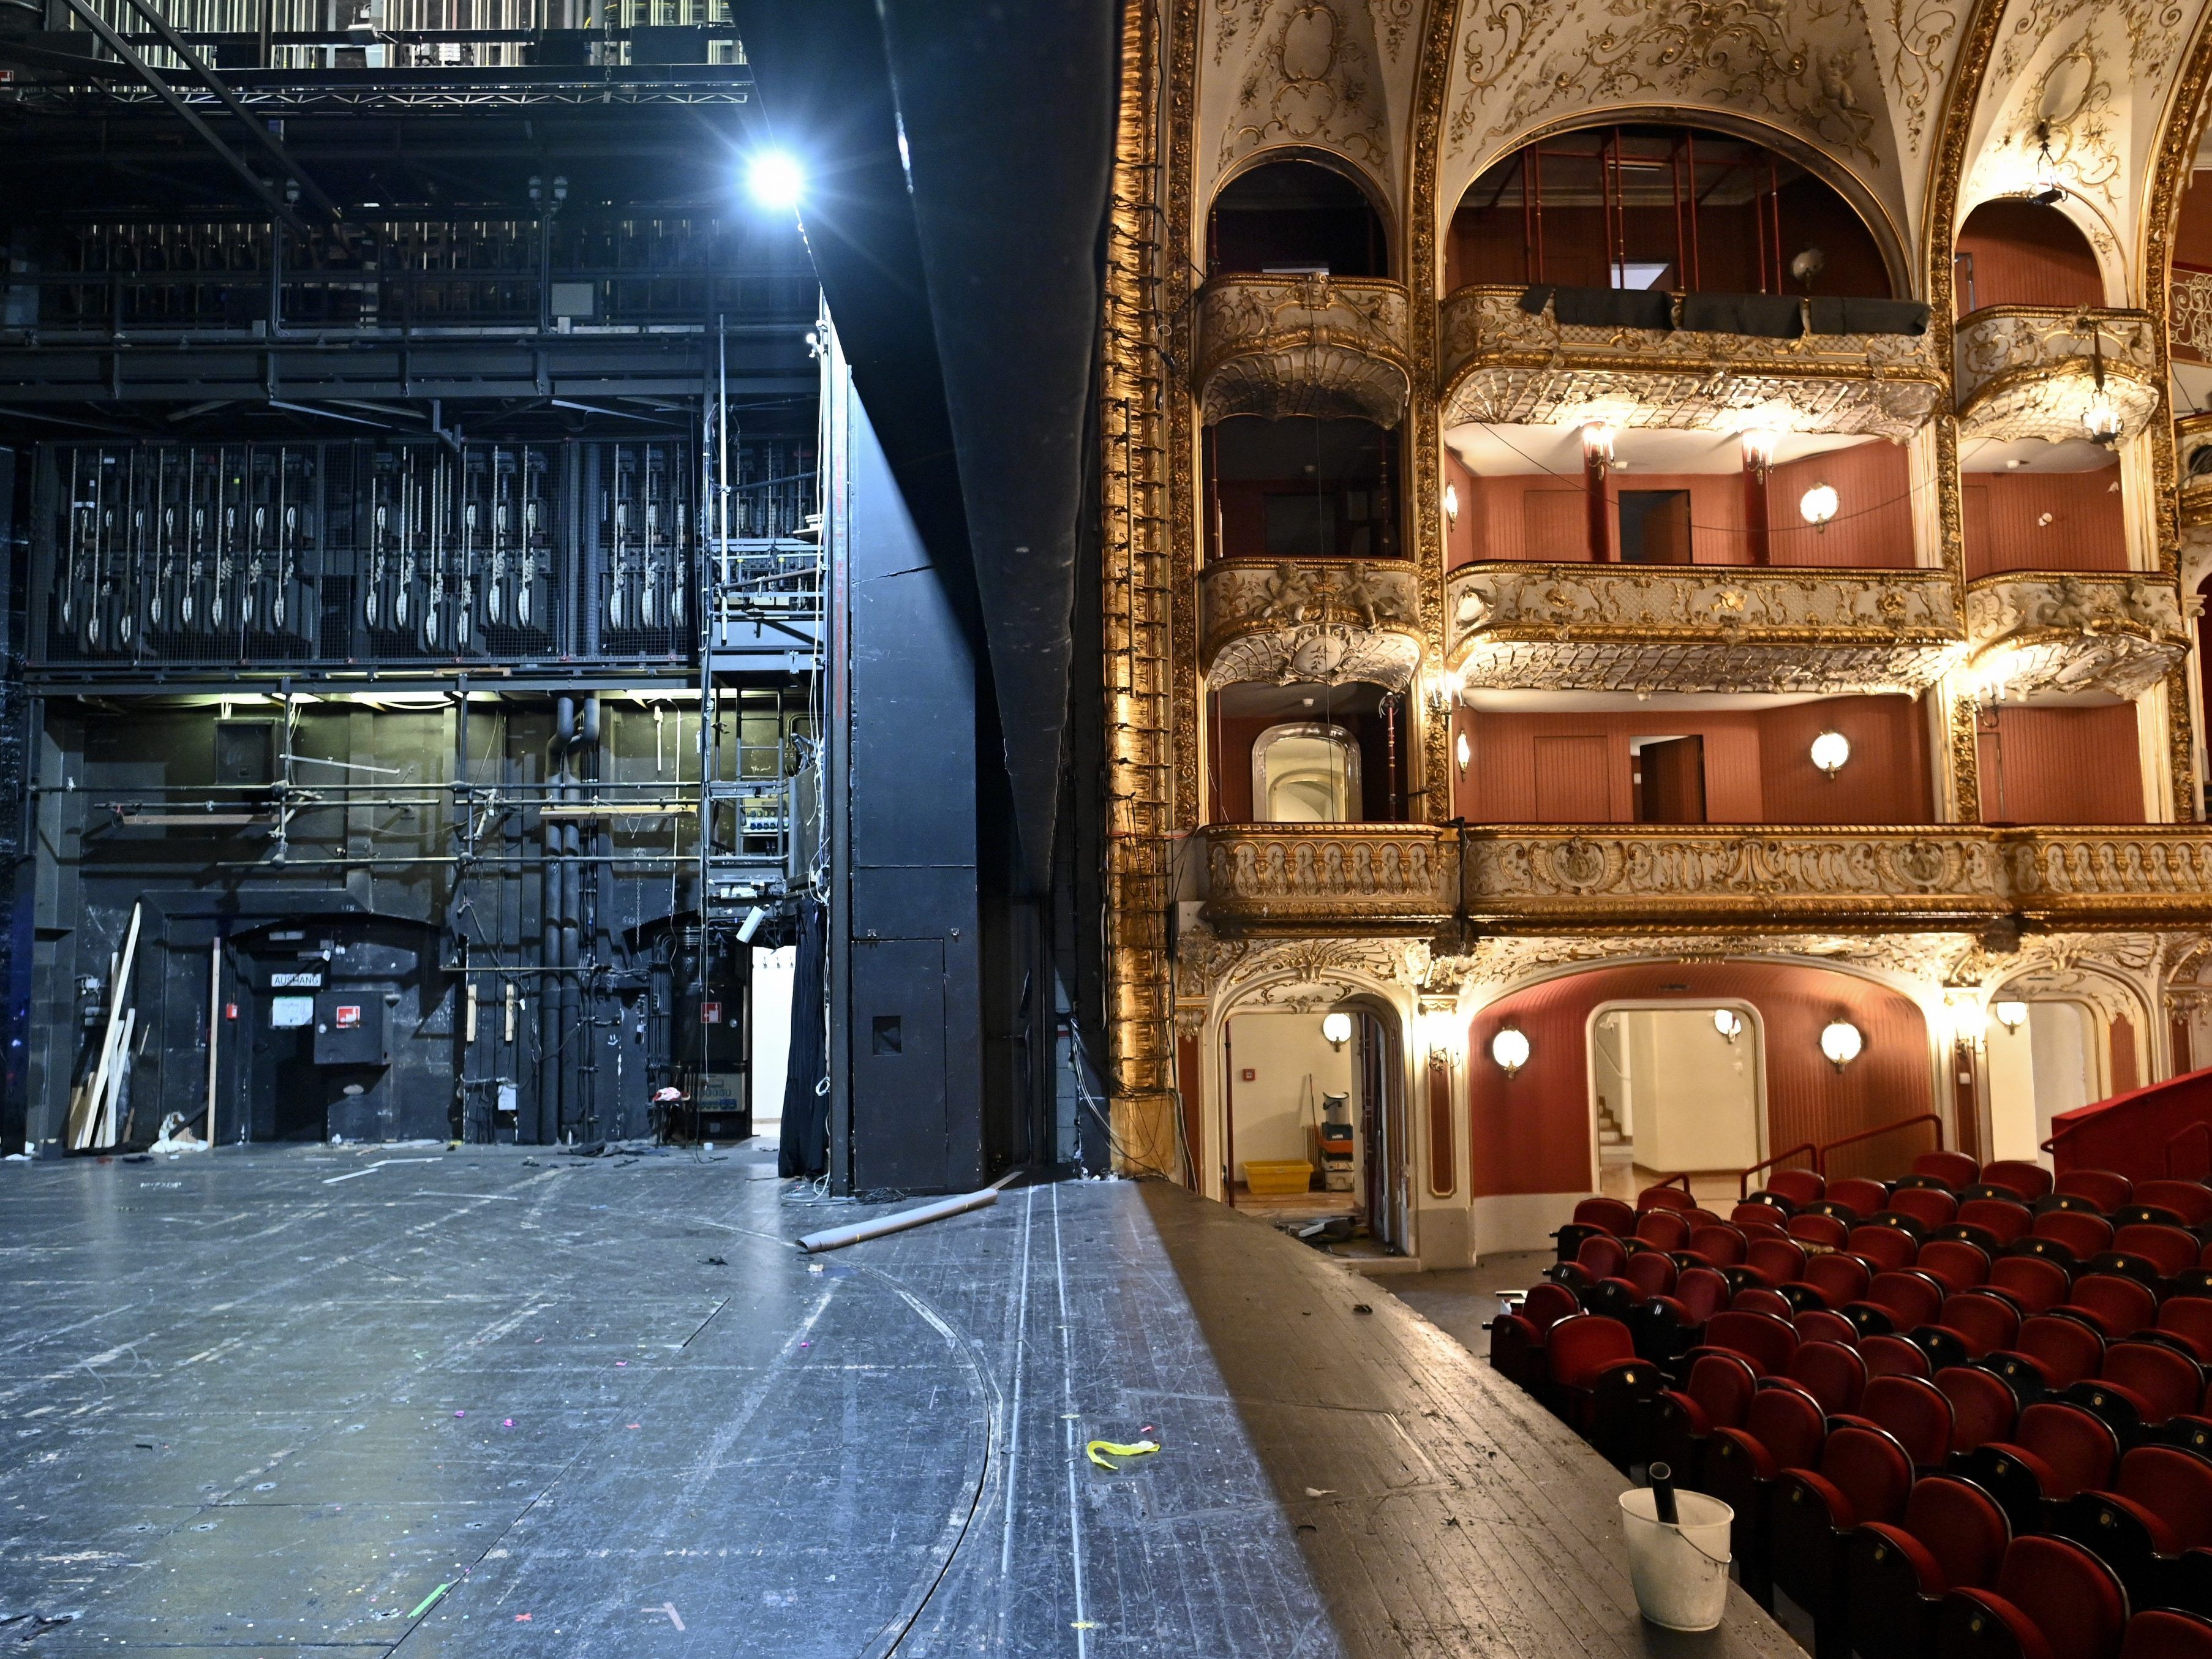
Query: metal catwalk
[[422, 1401]]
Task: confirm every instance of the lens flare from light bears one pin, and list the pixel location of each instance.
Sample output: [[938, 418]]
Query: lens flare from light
[[775, 179]]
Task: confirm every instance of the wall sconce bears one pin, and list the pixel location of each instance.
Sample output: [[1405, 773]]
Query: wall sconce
[[2011, 1012], [2100, 420], [1451, 506], [2048, 192], [1728, 1023], [1597, 444], [1441, 1034], [1444, 690], [1831, 750], [1462, 751], [1336, 1029], [1842, 1042], [1510, 1048], [1758, 451], [1819, 505]]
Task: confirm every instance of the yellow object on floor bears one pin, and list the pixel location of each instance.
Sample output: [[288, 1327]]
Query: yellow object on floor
[[1277, 1177], [1134, 1448]]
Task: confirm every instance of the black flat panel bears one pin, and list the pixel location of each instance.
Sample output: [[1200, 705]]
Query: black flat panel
[[898, 1064]]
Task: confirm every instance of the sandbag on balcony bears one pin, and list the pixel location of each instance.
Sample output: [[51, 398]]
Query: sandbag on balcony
[[1765, 316], [1839, 314], [1603, 307]]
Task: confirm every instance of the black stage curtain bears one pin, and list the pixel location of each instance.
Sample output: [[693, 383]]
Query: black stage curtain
[[804, 1150]]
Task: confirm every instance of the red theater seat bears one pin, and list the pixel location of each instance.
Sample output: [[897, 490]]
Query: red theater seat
[[1863, 1198], [1720, 1246], [1767, 1342], [1715, 1394], [2053, 1352], [1835, 1376], [2164, 1633], [2030, 1181], [1517, 1338], [1982, 1408], [1953, 1169], [2053, 1600], [2081, 1236], [1914, 1412], [2155, 1383], [2168, 1249], [1783, 1429], [2103, 1188], [1887, 1248], [2158, 1510], [1863, 1479], [1824, 1231], [2005, 1222], [1777, 1261], [1952, 1536], [2116, 1306], [1983, 1323], [2186, 1199], [1840, 1279], [2032, 1284], [1953, 1263], [1665, 1198], [1825, 1325], [1931, 1206], [1664, 1229], [1799, 1186], [2056, 1451], [2189, 1319], [1759, 1217], [1894, 1356]]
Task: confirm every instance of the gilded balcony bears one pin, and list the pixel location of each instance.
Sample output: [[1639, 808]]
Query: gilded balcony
[[1336, 877], [1314, 622], [2065, 633], [2035, 371], [1701, 627], [1502, 365], [1351, 878], [1276, 346]]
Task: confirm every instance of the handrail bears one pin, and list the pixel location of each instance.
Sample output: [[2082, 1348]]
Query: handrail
[[2175, 1140], [1681, 1178], [1743, 1176], [1821, 1156]]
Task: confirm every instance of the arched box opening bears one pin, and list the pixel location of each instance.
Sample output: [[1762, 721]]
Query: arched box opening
[[1292, 218], [1303, 487], [2016, 250], [1284, 754]]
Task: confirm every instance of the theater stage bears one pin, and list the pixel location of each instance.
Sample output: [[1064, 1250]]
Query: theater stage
[[420, 1402]]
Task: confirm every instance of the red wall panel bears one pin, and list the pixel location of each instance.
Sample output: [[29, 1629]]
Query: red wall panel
[[1872, 525], [1885, 781], [2063, 766], [2003, 511], [2022, 253], [1531, 1133]]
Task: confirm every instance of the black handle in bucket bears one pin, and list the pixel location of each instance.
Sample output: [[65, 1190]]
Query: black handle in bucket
[[1662, 1495]]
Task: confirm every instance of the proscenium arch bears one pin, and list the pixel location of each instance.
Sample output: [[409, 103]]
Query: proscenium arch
[[1905, 278], [1368, 185]]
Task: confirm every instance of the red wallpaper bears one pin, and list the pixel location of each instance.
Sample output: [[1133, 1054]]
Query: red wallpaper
[[2004, 531], [2193, 236], [1462, 540], [1531, 1133], [2063, 766], [1575, 769], [1872, 525], [2024, 254]]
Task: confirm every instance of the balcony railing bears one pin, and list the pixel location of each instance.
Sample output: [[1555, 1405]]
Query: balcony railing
[[1501, 364], [1274, 346], [1692, 628], [2033, 371], [2062, 632], [1324, 623], [1377, 878]]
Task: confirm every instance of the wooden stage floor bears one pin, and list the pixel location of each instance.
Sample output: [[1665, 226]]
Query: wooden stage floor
[[415, 1401]]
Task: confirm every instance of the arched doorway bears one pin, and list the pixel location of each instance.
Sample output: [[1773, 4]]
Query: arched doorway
[[1677, 1089]]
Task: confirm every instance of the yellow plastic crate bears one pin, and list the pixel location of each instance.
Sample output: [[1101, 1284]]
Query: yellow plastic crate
[[1277, 1177]]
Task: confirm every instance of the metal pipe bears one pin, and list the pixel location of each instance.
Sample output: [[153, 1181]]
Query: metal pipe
[[550, 1029]]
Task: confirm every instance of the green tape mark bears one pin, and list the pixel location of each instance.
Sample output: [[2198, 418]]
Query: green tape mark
[[430, 1601]]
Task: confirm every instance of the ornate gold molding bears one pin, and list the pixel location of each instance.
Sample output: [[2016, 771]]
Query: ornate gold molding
[[1689, 628], [1178, 282], [2029, 371], [1325, 624], [2035, 633], [1274, 346], [1367, 878], [1425, 434], [1502, 365]]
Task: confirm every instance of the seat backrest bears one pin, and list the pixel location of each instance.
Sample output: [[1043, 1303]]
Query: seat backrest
[[1962, 1526], [1825, 1230], [1865, 1197], [1953, 1169], [2037, 1285], [2066, 1593], [1871, 1471], [1763, 1339], [1841, 1278], [2175, 1485], [1983, 1408], [1664, 1198], [1602, 1256], [2007, 1221], [1893, 1355], [1758, 1298], [1664, 1229], [2189, 1317], [2165, 1633], [1788, 1423], [1577, 1349], [1702, 1293], [2170, 1385], [1723, 1384], [2186, 1199], [1609, 1213], [1832, 1374], [1821, 1325], [1886, 1247], [1915, 1411], [2168, 1248], [1985, 1323], [1798, 1186], [2066, 1349], [1652, 1272], [1957, 1265], [1548, 1304], [2030, 1181], [2082, 1235], [2121, 1305], [1759, 1216], [1721, 1246], [1931, 1206], [1911, 1300], [2079, 1447], [2102, 1188], [1778, 1261]]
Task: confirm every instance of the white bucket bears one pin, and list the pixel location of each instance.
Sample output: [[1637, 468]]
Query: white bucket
[[1680, 1572]]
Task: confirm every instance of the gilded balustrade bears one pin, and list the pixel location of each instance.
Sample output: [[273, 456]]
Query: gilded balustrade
[[1386, 878], [1701, 627], [2063, 633], [1274, 346], [1501, 365], [1318, 623], [2033, 371]]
